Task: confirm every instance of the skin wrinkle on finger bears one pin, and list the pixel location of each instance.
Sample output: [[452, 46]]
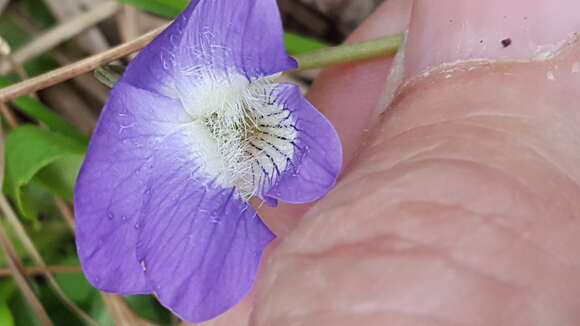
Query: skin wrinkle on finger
[[528, 149], [398, 318], [326, 245], [401, 243], [527, 232], [319, 257]]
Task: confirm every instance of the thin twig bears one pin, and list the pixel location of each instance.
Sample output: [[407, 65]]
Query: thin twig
[[62, 33], [65, 73], [120, 311], [35, 255], [92, 40], [15, 267], [3, 4], [66, 212], [16, 66], [128, 23], [8, 115], [36, 270], [67, 102], [86, 82]]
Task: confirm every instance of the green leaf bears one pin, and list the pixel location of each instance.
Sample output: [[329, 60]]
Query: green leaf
[[38, 11], [20, 309], [74, 285], [17, 36], [13, 33], [6, 317], [43, 113], [59, 177], [147, 307], [30, 149], [165, 8], [298, 44], [99, 312], [7, 288]]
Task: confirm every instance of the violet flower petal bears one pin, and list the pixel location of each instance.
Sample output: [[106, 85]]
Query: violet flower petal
[[217, 36], [317, 157], [190, 120], [199, 245], [112, 182], [142, 203]]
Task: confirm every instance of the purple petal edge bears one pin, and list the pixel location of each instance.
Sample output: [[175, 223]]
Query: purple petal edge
[[243, 37], [200, 244], [112, 182], [317, 158]]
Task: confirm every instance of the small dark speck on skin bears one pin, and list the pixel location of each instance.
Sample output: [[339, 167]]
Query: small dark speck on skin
[[506, 42], [451, 20], [481, 41]]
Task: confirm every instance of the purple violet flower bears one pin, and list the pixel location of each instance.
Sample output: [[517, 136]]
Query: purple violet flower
[[195, 128]]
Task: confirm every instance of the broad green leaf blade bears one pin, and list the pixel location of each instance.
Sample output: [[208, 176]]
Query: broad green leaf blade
[[74, 285], [30, 149], [41, 112], [7, 288], [60, 176], [37, 10], [165, 8]]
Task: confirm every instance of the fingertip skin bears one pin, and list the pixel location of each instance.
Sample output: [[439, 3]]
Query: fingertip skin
[[448, 31]]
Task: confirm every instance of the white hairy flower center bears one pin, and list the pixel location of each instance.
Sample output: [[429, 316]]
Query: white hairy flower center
[[242, 138]]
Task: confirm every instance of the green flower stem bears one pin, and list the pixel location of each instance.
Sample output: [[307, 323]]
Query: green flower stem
[[329, 56], [348, 52]]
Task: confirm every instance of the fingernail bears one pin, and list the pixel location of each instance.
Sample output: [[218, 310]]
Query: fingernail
[[450, 31]]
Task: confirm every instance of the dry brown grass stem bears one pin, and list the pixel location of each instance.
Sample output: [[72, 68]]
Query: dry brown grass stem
[[62, 33], [16, 271], [91, 40], [66, 212], [35, 255], [128, 20], [8, 115], [86, 82], [67, 72], [120, 312], [36, 270]]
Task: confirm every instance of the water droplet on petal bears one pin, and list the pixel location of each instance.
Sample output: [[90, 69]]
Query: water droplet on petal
[[110, 215], [124, 218], [137, 226]]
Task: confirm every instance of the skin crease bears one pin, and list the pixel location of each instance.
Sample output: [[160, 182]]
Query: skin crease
[[459, 207]]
